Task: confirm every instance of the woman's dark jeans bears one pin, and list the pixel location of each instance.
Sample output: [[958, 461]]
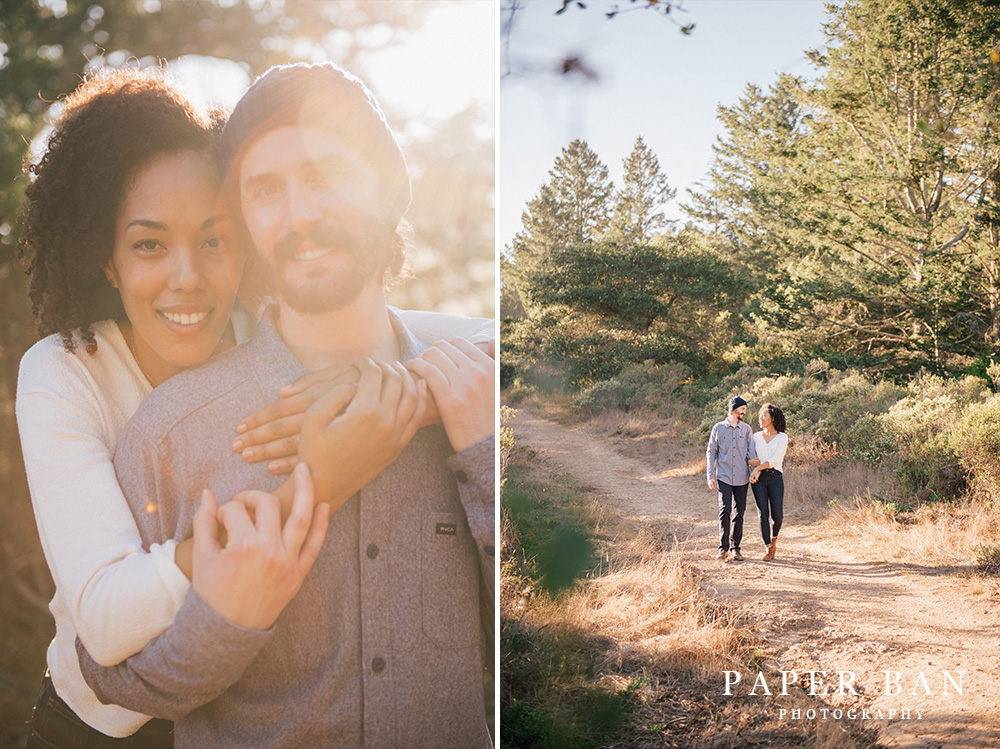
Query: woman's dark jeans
[[769, 494], [55, 726]]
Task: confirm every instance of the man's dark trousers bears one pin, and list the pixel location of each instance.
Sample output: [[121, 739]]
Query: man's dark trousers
[[727, 495]]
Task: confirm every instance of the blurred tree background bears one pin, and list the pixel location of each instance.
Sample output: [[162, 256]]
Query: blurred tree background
[[45, 47]]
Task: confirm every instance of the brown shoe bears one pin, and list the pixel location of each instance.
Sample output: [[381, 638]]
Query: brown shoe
[[737, 556], [771, 549], [721, 556]]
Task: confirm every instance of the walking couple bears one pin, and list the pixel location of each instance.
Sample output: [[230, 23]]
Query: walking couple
[[737, 458]]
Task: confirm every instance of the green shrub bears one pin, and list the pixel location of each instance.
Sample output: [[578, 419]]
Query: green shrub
[[593, 356], [506, 441], [519, 390], [867, 441], [524, 726], [604, 396], [976, 441], [635, 388], [828, 403], [922, 426]]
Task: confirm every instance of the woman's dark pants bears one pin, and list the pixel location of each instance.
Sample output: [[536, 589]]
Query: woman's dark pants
[[769, 494], [55, 726]]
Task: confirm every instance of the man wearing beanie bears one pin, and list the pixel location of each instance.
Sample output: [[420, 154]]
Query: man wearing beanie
[[728, 457], [384, 644]]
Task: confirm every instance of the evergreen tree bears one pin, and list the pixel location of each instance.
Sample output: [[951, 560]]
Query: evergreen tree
[[645, 189], [751, 189], [903, 142], [571, 209], [869, 196], [582, 189]]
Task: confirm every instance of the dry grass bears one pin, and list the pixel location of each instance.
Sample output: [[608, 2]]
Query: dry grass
[[944, 534], [649, 603]]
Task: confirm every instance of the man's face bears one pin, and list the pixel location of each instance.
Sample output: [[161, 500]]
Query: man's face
[[739, 413], [309, 203]]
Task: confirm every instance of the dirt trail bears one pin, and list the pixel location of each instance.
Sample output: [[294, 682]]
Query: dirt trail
[[820, 605]]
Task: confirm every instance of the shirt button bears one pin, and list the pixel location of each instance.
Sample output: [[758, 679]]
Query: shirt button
[[462, 477], [490, 551], [378, 665], [372, 551]]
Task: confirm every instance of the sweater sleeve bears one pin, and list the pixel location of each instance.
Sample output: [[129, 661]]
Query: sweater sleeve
[[118, 596], [777, 458], [201, 654], [474, 470], [712, 454], [189, 665], [431, 327]]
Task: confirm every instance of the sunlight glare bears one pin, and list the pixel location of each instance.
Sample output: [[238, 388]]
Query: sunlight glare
[[443, 67]]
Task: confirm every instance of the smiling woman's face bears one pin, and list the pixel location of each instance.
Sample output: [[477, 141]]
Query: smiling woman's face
[[176, 263]]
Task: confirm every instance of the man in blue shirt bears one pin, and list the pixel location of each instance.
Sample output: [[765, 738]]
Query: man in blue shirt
[[730, 453]]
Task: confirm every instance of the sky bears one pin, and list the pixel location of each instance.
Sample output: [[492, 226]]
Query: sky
[[652, 81], [446, 65]]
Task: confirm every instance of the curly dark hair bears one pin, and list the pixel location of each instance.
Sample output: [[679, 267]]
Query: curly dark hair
[[777, 416], [110, 127]]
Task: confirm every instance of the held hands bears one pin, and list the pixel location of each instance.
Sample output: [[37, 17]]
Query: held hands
[[251, 579], [460, 376], [347, 441], [273, 433]]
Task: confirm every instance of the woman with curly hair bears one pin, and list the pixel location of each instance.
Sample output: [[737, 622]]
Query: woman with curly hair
[[134, 266], [766, 480], [108, 212]]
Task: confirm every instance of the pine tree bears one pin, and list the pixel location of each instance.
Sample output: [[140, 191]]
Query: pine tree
[[873, 208], [903, 142], [645, 189], [571, 209], [751, 190]]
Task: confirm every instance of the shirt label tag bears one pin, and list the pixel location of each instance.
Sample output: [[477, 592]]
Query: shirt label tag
[[447, 529]]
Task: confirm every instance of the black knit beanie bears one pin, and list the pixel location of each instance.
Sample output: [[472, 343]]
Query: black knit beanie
[[735, 402], [327, 96]]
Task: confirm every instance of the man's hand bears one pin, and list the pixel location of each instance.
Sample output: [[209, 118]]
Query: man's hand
[[273, 433], [348, 447], [713, 485], [460, 376], [251, 579]]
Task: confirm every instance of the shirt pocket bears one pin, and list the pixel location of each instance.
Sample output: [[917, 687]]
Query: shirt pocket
[[449, 581]]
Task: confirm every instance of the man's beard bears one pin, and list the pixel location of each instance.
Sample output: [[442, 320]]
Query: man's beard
[[327, 291]]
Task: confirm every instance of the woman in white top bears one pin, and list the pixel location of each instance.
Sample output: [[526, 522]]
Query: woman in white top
[[766, 479], [134, 267]]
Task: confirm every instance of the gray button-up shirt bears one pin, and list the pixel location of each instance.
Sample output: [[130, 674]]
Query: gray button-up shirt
[[383, 645], [730, 448]]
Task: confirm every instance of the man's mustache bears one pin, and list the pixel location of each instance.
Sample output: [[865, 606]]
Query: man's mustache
[[321, 235]]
